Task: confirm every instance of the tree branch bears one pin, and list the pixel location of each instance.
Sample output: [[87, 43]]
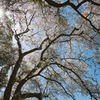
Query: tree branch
[[82, 2], [30, 95], [19, 44], [94, 3], [54, 4], [59, 84], [52, 41], [79, 79], [29, 76], [35, 49], [13, 75], [12, 78]]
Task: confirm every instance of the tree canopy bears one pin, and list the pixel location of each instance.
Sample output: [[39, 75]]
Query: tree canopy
[[49, 49]]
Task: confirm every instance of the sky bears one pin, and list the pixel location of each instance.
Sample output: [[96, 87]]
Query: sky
[[79, 96]]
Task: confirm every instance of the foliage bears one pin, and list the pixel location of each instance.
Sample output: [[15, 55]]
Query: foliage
[[6, 52], [58, 45]]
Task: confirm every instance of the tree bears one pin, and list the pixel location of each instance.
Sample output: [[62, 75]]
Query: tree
[[6, 51], [58, 47]]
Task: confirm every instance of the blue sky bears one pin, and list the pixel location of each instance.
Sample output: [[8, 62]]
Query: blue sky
[[79, 96]]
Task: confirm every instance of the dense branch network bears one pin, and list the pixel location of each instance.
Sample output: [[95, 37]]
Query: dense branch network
[[55, 4], [75, 7], [30, 75]]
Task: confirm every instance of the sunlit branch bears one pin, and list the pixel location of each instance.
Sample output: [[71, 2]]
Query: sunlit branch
[[19, 44], [45, 86], [31, 18]]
